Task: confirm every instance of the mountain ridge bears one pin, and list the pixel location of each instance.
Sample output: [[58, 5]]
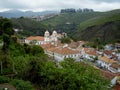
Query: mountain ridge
[[19, 13]]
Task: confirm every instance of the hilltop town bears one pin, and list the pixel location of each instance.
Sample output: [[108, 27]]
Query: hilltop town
[[107, 58]]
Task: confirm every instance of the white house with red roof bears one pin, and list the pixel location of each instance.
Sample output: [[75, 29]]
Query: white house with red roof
[[108, 64], [114, 67], [60, 53], [37, 40], [89, 53]]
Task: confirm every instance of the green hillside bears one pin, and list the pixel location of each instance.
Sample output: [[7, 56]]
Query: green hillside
[[68, 22], [71, 18], [29, 27]]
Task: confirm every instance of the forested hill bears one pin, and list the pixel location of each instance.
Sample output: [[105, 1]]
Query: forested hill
[[88, 25], [29, 26]]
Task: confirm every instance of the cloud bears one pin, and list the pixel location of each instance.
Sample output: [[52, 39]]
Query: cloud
[[39, 5]]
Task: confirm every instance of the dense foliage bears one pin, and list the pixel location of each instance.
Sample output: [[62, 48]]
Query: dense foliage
[[22, 85], [65, 40], [71, 76]]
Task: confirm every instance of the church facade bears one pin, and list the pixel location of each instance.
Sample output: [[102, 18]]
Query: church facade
[[46, 39]]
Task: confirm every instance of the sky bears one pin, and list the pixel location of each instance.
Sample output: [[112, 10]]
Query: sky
[[42, 5]]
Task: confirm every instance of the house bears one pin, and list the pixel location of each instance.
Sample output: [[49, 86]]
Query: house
[[89, 53], [109, 47], [36, 40], [114, 67], [117, 46], [116, 80], [109, 54], [60, 53], [118, 56], [105, 62]]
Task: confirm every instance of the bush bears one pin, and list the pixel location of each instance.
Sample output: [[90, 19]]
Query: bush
[[4, 79], [22, 85]]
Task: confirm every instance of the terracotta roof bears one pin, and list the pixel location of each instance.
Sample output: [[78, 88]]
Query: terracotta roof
[[63, 51], [105, 59], [108, 75], [52, 49], [115, 65], [107, 52], [90, 51], [47, 46], [38, 38]]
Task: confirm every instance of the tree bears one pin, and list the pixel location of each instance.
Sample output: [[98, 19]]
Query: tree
[[6, 29], [65, 40], [35, 50], [71, 76], [33, 70]]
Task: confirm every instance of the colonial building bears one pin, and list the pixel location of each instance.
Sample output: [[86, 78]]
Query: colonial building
[[89, 53], [60, 53], [38, 40], [108, 64]]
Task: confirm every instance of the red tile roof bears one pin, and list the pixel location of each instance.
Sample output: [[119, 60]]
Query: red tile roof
[[107, 52], [115, 65], [105, 59], [47, 46], [108, 75], [38, 38], [63, 51], [90, 51]]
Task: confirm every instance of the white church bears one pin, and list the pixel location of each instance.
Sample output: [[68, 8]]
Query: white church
[[38, 40]]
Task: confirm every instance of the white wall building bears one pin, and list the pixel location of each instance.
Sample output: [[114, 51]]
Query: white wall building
[[89, 53], [60, 53], [38, 40], [105, 62]]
